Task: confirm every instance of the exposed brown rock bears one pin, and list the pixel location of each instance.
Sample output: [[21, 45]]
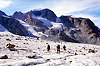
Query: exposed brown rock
[[4, 57], [10, 45]]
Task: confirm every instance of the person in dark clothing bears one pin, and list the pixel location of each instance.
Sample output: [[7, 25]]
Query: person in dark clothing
[[64, 48], [58, 49], [48, 47]]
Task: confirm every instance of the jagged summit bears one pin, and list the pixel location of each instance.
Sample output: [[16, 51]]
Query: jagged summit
[[45, 13]]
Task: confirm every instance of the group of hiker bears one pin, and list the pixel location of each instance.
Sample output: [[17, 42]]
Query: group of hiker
[[57, 48]]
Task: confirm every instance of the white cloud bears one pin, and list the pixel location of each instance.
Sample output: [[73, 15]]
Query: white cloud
[[87, 16], [4, 3], [64, 7], [68, 6]]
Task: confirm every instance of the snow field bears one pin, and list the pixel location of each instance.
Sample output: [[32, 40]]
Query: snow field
[[28, 46]]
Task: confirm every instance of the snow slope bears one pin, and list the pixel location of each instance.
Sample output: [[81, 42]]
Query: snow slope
[[4, 31], [30, 29], [44, 20], [75, 55]]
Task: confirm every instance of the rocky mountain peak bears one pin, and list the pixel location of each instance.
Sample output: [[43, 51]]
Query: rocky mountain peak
[[45, 13], [19, 15]]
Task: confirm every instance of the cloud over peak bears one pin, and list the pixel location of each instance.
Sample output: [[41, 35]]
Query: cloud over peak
[[4, 3]]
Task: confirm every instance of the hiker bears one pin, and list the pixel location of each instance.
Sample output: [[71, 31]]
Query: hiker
[[58, 49], [48, 47], [64, 48]]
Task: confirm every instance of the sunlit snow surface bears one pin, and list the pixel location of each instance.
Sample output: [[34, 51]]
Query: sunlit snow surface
[[28, 46]]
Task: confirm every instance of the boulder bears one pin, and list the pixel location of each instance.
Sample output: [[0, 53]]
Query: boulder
[[4, 57], [10, 45], [31, 56]]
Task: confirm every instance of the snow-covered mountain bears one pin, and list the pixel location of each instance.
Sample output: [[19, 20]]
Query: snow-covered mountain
[[45, 21], [46, 25]]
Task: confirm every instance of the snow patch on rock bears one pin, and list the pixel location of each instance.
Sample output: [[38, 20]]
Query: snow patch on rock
[[50, 24], [58, 26], [30, 29]]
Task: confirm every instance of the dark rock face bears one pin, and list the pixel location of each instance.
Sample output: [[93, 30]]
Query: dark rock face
[[89, 27], [45, 13], [91, 31], [81, 29], [36, 12], [2, 13], [49, 15], [68, 23], [19, 15], [13, 26], [59, 35]]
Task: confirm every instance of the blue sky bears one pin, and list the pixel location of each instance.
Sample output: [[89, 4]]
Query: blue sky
[[78, 8]]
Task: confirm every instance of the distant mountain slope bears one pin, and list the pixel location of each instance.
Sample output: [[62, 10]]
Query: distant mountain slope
[[12, 25]]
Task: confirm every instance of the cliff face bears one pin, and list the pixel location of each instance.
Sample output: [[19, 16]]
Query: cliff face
[[81, 29]]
